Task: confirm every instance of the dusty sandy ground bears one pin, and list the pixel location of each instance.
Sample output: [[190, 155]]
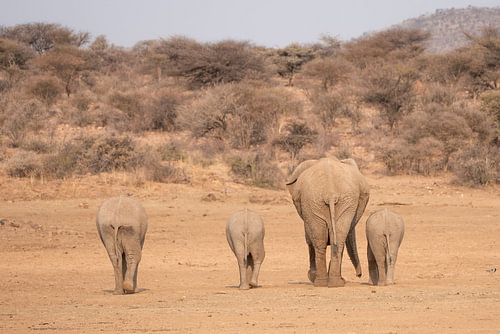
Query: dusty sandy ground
[[56, 277]]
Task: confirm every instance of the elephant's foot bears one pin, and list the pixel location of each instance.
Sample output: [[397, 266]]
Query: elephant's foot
[[254, 285], [244, 286], [118, 292], [335, 282], [385, 283], [321, 282], [311, 274], [128, 287]]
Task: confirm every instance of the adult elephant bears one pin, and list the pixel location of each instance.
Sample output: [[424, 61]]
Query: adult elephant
[[330, 196]]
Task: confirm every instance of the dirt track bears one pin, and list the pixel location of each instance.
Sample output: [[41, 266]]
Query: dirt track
[[56, 276]]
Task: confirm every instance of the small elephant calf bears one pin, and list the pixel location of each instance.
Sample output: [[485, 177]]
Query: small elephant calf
[[122, 224], [384, 232], [245, 235]]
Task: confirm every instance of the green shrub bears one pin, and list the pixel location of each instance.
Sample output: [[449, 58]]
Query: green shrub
[[166, 173], [478, 165], [36, 144], [490, 103], [71, 158], [82, 155], [24, 164], [423, 157], [256, 169], [21, 118], [171, 151], [109, 153], [243, 115], [161, 114], [295, 136], [46, 89]]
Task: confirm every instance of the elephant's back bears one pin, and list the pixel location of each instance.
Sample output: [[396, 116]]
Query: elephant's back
[[384, 221], [122, 211], [334, 176], [245, 221]]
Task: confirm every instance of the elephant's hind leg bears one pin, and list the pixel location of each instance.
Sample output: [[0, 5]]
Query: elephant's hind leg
[[317, 232], [239, 251], [311, 274], [250, 268], [380, 258], [321, 278], [257, 254], [107, 235], [393, 256], [343, 226], [131, 244], [372, 266]]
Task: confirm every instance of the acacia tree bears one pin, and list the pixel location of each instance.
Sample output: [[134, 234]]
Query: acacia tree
[[46, 89], [151, 57], [296, 135], [104, 57], [482, 61], [290, 60], [390, 87], [66, 63], [13, 54], [328, 106], [242, 114], [207, 64], [329, 70], [42, 37], [395, 44], [13, 57]]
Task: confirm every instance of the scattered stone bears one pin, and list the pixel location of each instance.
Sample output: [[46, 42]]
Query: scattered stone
[[36, 227], [14, 224], [210, 197], [84, 205]]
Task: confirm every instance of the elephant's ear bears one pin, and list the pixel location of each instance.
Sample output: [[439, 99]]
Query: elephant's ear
[[299, 170]]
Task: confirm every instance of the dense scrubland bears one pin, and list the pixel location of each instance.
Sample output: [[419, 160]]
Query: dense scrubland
[[71, 105]]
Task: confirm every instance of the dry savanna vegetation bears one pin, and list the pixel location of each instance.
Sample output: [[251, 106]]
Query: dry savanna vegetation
[[72, 105], [198, 130]]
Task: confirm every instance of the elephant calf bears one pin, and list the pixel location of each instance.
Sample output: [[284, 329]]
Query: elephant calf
[[122, 225], [384, 232], [245, 235]]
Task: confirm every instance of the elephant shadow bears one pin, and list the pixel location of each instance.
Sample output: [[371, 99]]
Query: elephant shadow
[[299, 283], [309, 283], [138, 290]]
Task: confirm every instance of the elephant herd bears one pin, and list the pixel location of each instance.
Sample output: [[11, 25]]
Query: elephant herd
[[330, 196]]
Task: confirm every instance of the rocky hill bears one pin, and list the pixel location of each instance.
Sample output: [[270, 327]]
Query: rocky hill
[[447, 26]]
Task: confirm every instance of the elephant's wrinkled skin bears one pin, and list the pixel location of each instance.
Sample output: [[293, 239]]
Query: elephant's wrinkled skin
[[245, 235], [330, 196], [122, 225], [384, 232]]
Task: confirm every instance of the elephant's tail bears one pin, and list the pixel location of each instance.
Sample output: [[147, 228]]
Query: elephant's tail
[[332, 233], [116, 227], [245, 241], [388, 256], [353, 251]]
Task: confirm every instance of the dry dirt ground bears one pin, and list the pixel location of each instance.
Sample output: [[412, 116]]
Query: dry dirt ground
[[56, 277]]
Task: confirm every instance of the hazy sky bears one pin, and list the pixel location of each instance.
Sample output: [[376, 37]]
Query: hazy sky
[[271, 23]]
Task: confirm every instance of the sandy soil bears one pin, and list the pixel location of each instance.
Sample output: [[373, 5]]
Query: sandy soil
[[56, 277]]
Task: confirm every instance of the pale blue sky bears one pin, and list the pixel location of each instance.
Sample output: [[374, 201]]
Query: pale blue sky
[[271, 23]]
